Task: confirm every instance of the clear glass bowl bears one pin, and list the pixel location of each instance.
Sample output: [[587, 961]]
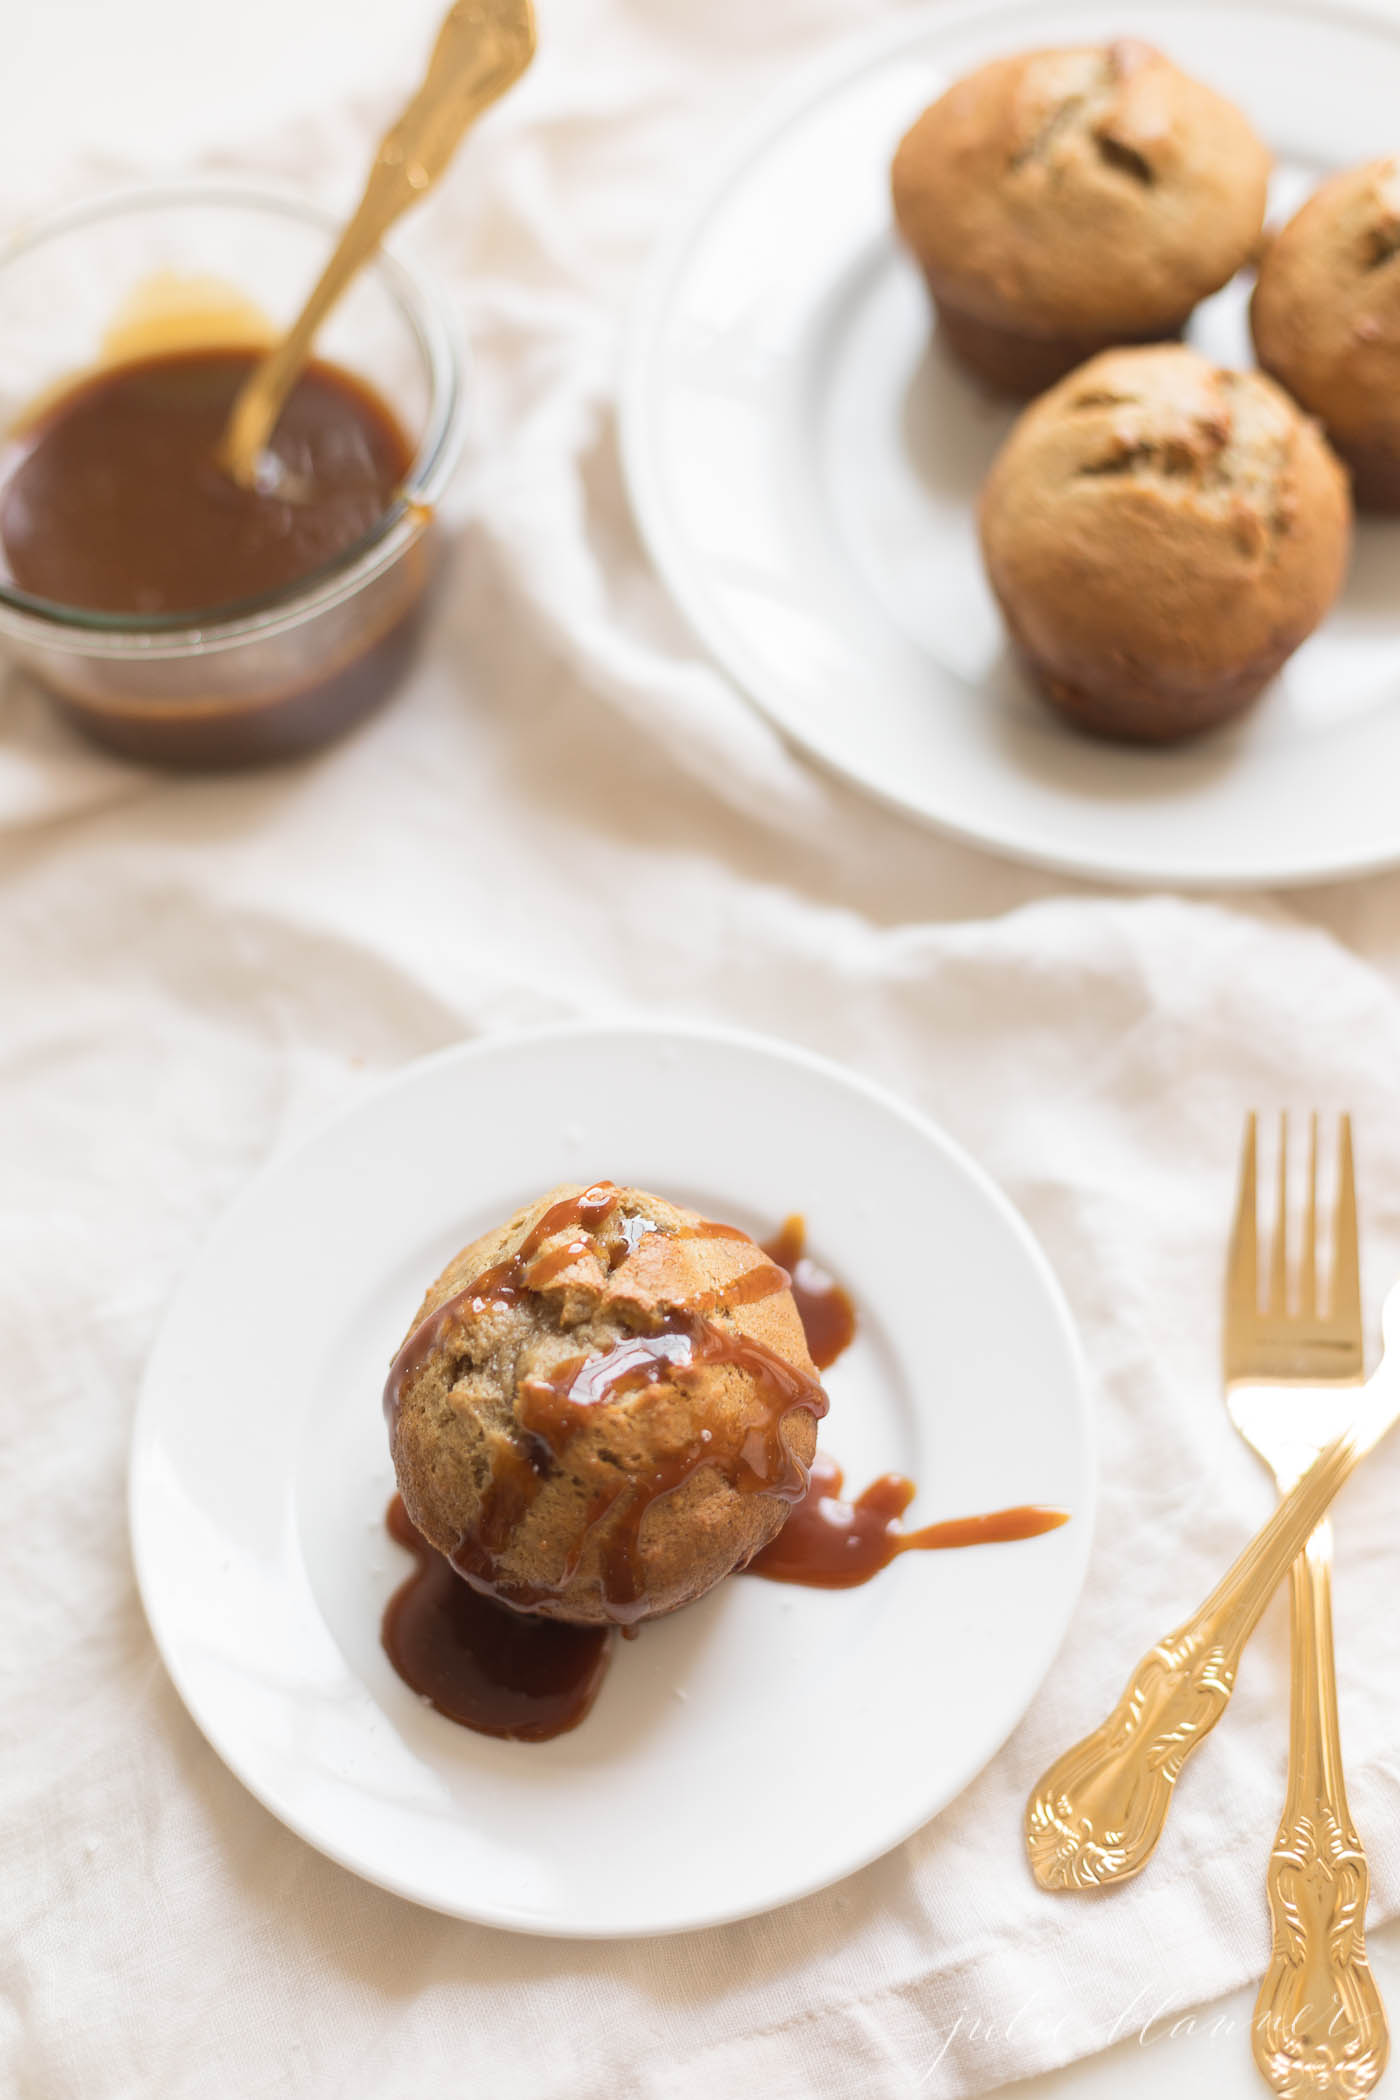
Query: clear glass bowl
[[213, 263]]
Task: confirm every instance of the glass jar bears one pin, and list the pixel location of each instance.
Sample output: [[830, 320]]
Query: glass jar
[[204, 265]]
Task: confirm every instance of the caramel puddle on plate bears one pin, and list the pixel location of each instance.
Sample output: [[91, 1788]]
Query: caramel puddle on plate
[[498, 1671], [831, 1544]]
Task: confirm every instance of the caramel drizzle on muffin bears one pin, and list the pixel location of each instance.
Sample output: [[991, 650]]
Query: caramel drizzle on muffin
[[550, 1410]]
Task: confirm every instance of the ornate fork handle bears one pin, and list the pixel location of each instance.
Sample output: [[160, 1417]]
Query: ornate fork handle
[[1319, 2024], [1098, 1812]]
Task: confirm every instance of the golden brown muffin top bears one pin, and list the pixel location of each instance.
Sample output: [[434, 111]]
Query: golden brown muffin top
[[1081, 190], [1157, 505], [1326, 309], [604, 1405]]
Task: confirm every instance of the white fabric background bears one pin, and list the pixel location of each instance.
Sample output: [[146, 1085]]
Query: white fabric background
[[569, 813]]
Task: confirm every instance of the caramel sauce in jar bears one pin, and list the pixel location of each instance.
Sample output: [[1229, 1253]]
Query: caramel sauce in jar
[[113, 508]]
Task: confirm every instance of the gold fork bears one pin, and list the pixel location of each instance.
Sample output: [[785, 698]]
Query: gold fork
[[1096, 1814], [1290, 1378]]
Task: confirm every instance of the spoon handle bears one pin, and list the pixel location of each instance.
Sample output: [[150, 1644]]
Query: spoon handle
[[482, 49], [1096, 1815]]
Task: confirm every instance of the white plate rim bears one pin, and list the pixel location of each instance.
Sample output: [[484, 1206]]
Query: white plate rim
[[769, 693], [467, 1053]]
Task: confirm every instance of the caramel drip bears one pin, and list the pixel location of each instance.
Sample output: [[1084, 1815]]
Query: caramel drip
[[757, 1283], [584, 1381], [827, 1314], [552, 1409], [503, 1284], [480, 1663], [546, 1267], [507, 1282], [831, 1544]]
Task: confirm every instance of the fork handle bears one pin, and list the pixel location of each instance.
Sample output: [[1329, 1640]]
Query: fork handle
[[1098, 1812], [1319, 2024]]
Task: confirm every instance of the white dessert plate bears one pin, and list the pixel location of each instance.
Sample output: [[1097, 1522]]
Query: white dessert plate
[[805, 464], [753, 1747]]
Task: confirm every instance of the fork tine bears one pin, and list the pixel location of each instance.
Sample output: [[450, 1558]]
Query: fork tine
[[1307, 1278], [1345, 1308], [1277, 1303], [1242, 1271]]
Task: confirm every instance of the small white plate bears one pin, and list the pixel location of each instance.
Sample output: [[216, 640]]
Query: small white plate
[[805, 464], [754, 1747]]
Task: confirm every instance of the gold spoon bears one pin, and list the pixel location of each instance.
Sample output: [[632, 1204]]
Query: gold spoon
[[482, 49]]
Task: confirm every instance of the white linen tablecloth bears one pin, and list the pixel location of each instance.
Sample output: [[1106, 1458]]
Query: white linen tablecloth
[[568, 812]]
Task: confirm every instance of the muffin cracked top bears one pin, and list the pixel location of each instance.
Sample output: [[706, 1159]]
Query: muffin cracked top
[[1095, 194], [1161, 533]]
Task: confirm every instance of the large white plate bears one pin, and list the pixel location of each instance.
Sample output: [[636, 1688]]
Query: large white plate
[[805, 466], [752, 1748]]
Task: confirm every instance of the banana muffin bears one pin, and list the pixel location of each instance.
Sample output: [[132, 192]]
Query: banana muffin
[[1063, 201], [603, 1406], [1326, 320], [1161, 534]]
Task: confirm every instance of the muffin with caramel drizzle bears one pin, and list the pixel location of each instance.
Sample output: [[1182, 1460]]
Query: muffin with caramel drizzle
[[603, 1406]]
